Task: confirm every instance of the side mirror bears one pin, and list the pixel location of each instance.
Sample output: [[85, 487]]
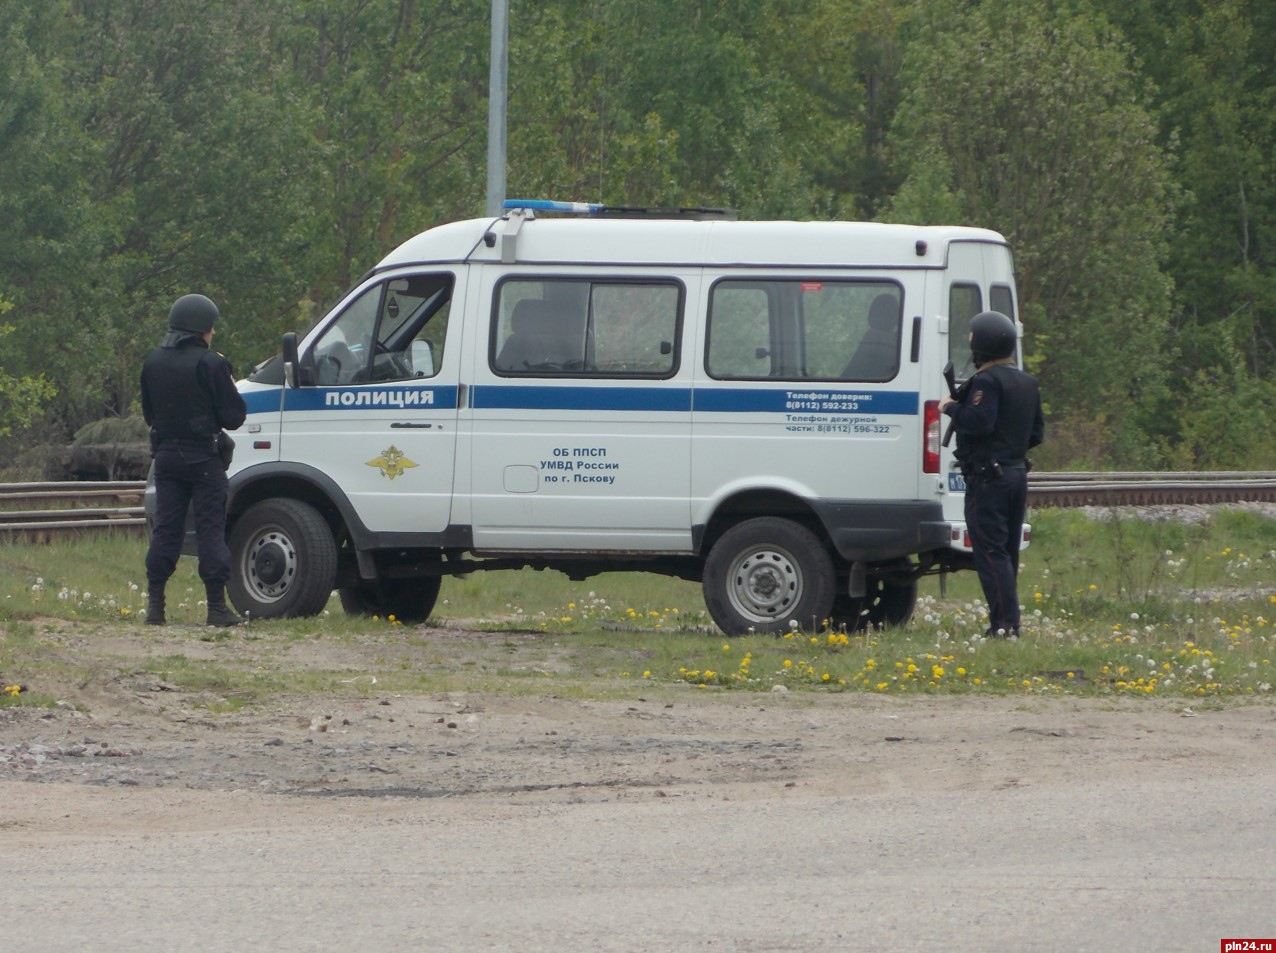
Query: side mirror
[[291, 360], [422, 357]]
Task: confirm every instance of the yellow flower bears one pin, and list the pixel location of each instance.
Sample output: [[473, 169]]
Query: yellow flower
[[788, 663]]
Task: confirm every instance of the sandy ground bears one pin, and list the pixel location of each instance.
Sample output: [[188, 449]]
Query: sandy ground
[[675, 820]]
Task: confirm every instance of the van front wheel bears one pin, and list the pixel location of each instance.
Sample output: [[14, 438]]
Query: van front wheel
[[283, 560], [766, 575]]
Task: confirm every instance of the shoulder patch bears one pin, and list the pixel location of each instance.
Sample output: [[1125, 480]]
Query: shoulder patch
[[977, 397]]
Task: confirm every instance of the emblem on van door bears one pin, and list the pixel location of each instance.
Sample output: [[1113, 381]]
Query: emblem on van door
[[392, 462]]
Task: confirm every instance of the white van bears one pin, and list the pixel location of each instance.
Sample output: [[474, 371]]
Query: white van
[[752, 405]]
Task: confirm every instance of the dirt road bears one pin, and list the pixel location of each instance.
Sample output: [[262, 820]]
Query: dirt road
[[679, 819], [683, 823]]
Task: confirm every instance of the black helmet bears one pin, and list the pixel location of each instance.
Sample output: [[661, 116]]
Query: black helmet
[[992, 336], [192, 313]]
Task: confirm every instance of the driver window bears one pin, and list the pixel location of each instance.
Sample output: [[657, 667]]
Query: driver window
[[342, 352], [395, 330], [413, 327]]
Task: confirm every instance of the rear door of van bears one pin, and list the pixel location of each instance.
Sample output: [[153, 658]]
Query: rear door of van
[[979, 277]]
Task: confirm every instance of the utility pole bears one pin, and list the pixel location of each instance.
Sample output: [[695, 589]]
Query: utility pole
[[496, 101]]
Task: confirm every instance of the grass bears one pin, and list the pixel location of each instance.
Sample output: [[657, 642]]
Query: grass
[[1116, 606]]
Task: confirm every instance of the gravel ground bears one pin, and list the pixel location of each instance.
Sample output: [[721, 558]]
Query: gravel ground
[[680, 819]]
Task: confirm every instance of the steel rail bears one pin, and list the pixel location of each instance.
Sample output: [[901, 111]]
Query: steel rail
[[83, 512]]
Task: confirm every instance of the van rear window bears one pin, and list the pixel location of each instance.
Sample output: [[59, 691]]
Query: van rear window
[[804, 329]]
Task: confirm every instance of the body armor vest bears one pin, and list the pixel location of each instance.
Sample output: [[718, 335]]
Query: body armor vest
[[183, 410]]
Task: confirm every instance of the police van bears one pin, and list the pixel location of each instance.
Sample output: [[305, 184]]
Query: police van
[[751, 405]]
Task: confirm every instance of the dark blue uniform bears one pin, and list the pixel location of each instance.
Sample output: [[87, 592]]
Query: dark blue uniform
[[188, 397], [997, 422]]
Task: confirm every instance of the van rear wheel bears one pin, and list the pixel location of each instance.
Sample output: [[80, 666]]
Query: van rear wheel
[[766, 574], [283, 560], [408, 600], [884, 605]]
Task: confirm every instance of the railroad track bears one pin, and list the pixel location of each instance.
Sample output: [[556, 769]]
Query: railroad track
[[1151, 488], [40, 512]]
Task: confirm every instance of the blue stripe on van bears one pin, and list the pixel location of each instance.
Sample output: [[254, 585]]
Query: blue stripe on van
[[799, 398], [543, 397], [716, 400], [262, 401], [769, 399]]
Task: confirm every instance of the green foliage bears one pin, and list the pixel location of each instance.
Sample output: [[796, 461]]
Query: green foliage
[[113, 430], [1028, 122], [20, 397], [266, 152]]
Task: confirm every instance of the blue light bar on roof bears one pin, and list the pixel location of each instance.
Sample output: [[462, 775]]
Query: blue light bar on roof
[[545, 205]]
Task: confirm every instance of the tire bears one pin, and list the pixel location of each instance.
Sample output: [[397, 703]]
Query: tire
[[283, 560], [408, 600], [884, 605], [766, 574]]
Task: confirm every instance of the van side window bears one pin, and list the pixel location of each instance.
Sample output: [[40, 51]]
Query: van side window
[[804, 329], [606, 328], [395, 330], [964, 302]]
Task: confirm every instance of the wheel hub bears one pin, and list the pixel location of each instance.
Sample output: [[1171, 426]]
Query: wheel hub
[[766, 585], [270, 566]]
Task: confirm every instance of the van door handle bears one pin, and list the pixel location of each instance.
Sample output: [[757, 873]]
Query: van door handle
[[401, 425]]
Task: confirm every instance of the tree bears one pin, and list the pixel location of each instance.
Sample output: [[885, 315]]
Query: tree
[[1030, 123]]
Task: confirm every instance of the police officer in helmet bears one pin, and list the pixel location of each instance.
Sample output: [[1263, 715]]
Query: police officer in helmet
[[997, 421], [188, 399]]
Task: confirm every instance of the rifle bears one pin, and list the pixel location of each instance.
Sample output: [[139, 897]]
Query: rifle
[[956, 393]]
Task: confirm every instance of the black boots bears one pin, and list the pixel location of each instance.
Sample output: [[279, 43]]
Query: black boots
[[155, 603], [220, 614]]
